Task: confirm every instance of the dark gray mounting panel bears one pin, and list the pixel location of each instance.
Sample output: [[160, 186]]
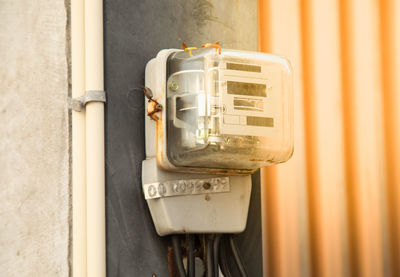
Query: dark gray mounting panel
[[134, 32]]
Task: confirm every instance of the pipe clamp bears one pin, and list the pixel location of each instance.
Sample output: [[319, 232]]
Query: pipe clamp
[[78, 103]]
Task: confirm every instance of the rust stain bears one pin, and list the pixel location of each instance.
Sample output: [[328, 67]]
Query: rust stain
[[173, 272], [256, 160], [159, 133]]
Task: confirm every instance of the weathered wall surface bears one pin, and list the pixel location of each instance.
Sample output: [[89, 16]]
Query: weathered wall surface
[[34, 139]]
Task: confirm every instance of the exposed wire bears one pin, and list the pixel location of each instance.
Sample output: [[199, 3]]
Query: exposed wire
[[178, 255], [216, 254], [236, 256], [210, 260], [190, 256]]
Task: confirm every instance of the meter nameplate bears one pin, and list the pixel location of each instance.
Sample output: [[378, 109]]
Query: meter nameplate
[[186, 187], [252, 101]]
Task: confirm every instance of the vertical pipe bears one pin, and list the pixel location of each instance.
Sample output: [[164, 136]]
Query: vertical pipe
[[78, 141], [96, 256]]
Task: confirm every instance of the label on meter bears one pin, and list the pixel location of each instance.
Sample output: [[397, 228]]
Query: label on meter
[[252, 100]]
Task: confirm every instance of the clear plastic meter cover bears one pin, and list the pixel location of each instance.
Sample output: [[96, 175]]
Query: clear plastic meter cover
[[231, 110]]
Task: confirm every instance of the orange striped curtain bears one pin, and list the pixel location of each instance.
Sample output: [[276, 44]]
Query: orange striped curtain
[[334, 208]]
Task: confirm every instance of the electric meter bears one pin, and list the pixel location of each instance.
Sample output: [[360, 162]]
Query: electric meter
[[214, 112]]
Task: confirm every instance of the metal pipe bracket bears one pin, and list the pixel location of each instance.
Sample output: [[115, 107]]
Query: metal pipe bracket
[[78, 103]]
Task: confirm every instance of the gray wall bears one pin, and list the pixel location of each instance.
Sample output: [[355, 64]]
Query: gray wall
[[34, 139], [135, 30]]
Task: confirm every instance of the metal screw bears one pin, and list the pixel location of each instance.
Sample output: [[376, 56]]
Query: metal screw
[[206, 185], [147, 92], [174, 86]]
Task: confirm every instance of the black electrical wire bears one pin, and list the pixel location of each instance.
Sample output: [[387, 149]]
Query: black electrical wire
[[236, 256], [190, 256], [210, 259], [178, 255], [224, 256], [216, 254]]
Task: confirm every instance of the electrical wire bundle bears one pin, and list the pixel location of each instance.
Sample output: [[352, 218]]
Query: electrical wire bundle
[[218, 251]]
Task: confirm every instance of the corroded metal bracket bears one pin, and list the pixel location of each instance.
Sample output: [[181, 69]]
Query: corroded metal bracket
[[78, 103], [153, 107]]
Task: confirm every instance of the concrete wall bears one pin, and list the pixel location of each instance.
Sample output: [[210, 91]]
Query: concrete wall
[[34, 139]]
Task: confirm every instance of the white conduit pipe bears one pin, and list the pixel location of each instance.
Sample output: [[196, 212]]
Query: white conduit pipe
[[88, 172], [78, 141], [95, 165]]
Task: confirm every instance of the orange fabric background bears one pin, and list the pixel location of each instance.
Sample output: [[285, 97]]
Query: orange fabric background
[[334, 208]]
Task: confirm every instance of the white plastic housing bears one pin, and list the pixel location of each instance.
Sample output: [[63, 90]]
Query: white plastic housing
[[224, 212], [223, 113]]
